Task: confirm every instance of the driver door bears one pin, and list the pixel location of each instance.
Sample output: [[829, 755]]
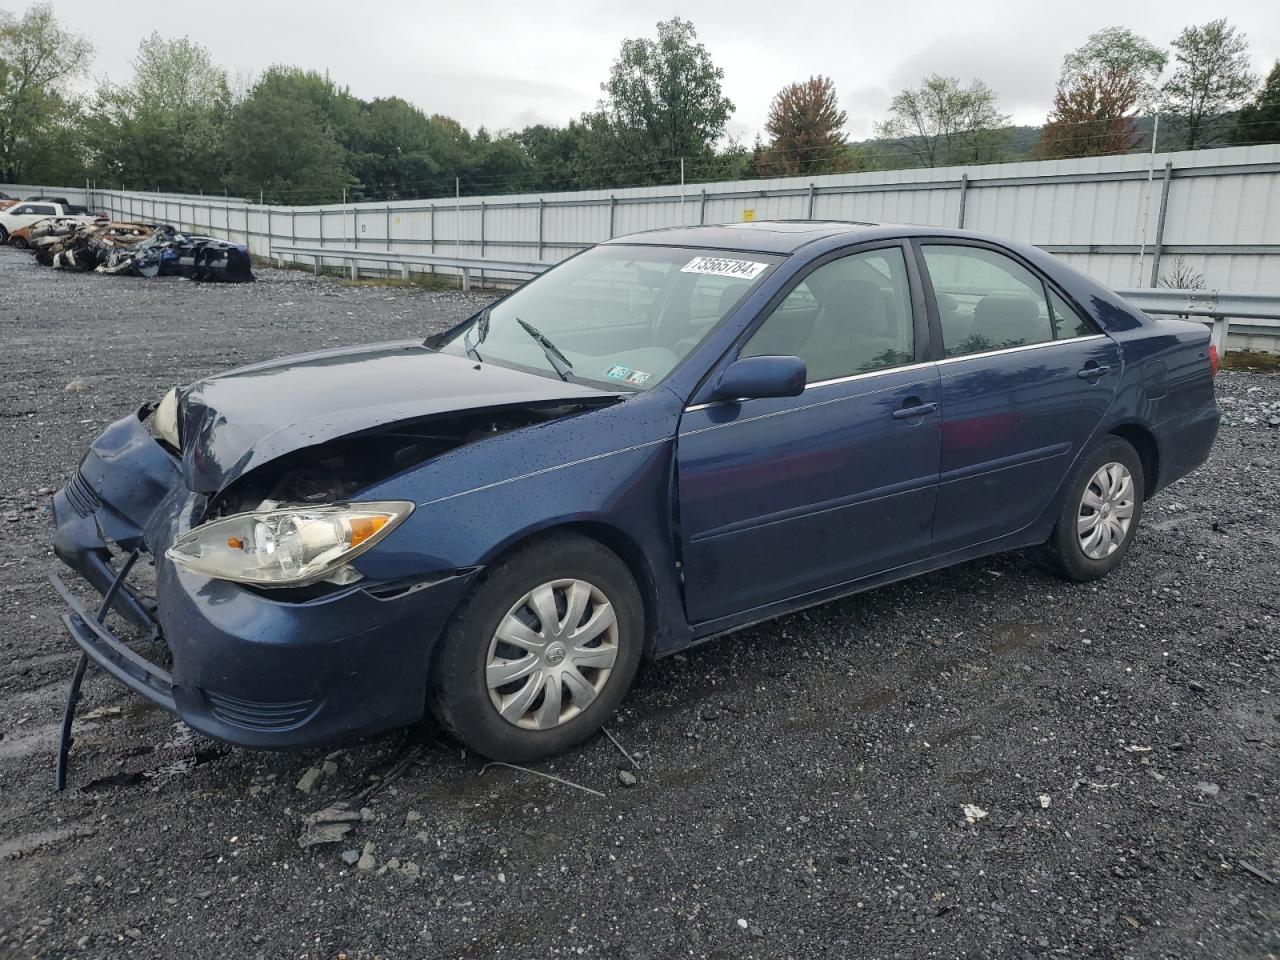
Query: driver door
[[784, 497]]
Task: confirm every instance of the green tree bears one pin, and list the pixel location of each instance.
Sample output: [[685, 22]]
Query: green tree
[[663, 102], [1123, 56], [806, 127], [1103, 85], [1259, 121], [396, 151], [37, 58], [941, 122], [283, 139], [166, 128], [556, 155], [1211, 77]]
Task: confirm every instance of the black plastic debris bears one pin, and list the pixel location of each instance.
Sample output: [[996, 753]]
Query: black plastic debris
[[138, 249]]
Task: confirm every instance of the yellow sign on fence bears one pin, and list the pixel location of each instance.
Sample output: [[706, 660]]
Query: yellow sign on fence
[[748, 215]]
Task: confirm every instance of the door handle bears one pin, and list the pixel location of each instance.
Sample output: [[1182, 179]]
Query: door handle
[[915, 410], [1093, 371]]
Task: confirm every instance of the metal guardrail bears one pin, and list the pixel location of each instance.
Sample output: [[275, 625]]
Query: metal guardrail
[[1259, 312], [466, 266]]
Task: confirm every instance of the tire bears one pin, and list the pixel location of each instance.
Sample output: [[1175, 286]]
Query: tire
[[4, 235], [1079, 549], [460, 695], [19, 242]]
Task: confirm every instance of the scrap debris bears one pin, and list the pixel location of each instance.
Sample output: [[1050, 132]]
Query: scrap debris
[[545, 776], [136, 249]]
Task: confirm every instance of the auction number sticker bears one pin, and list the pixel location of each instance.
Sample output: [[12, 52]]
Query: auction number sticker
[[721, 267]]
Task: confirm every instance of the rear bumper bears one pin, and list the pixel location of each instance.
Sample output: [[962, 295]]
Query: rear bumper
[[246, 668], [1184, 443]]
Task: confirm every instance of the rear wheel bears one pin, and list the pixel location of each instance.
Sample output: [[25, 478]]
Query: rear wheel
[[4, 235], [541, 651], [19, 242], [1099, 515]]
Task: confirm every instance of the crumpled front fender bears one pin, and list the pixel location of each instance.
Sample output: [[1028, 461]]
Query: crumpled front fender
[[115, 495]]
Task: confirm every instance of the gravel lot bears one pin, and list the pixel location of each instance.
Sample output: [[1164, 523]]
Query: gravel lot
[[802, 786]]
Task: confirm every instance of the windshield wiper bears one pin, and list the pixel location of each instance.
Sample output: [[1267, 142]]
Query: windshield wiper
[[483, 324], [559, 362]]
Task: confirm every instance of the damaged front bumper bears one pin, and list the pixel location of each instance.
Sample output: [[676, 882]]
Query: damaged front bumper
[[247, 668]]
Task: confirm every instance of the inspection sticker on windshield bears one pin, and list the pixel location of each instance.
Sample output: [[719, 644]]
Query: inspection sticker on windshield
[[720, 267], [627, 375]]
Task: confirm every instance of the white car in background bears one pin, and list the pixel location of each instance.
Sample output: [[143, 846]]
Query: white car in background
[[27, 212]]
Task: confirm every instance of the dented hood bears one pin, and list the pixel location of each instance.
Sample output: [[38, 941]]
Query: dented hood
[[246, 417]]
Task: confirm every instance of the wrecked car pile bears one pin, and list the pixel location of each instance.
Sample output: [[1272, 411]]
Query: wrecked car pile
[[136, 249]]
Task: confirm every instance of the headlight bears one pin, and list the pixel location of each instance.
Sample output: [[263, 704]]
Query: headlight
[[288, 547], [164, 421]]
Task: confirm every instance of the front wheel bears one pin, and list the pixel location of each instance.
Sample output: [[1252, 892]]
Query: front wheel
[[541, 651], [1099, 515], [4, 235]]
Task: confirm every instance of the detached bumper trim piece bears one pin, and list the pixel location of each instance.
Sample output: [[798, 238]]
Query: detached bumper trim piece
[[113, 655]]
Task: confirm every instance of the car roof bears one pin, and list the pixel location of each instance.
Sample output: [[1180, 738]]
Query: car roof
[[784, 237]]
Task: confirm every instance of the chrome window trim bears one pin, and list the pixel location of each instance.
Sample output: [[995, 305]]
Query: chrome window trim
[[925, 363], [870, 373], [1026, 346], [824, 383]]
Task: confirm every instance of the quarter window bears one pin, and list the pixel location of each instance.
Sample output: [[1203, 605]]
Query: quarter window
[[1067, 322], [849, 316], [986, 300]]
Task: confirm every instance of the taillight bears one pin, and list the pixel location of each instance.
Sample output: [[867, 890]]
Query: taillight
[[1213, 360]]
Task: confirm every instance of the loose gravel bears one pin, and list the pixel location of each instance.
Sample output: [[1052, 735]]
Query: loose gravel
[[983, 762]]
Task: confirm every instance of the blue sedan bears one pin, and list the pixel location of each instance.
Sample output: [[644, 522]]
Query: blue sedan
[[666, 438]]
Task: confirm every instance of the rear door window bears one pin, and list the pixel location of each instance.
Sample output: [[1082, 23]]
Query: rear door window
[[986, 300]]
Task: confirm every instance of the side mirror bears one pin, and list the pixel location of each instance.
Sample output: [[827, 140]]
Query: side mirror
[[754, 378]]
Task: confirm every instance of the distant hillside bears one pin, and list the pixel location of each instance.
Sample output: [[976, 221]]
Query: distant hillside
[[1023, 139]]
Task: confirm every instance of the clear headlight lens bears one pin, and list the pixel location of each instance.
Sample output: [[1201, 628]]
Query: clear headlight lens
[[288, 546], [164, 420]]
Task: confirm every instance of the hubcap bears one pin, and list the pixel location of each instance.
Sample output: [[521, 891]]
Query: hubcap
[[552, 654], [1106, 511]]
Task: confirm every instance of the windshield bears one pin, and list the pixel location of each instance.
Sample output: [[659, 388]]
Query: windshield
[[616, 316]]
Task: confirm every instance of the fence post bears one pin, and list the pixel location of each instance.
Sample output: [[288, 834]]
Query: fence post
[[387, 232], [613, 203], [482, 210], [702, 207], [964, 195], [271, 237], [542, 207], [813, 190], [1155, 252]]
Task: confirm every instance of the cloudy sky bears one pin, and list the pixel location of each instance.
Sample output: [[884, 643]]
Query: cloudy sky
[[505, 65]]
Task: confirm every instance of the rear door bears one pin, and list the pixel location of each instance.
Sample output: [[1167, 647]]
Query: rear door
[[786, 496], [1025, 380]]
